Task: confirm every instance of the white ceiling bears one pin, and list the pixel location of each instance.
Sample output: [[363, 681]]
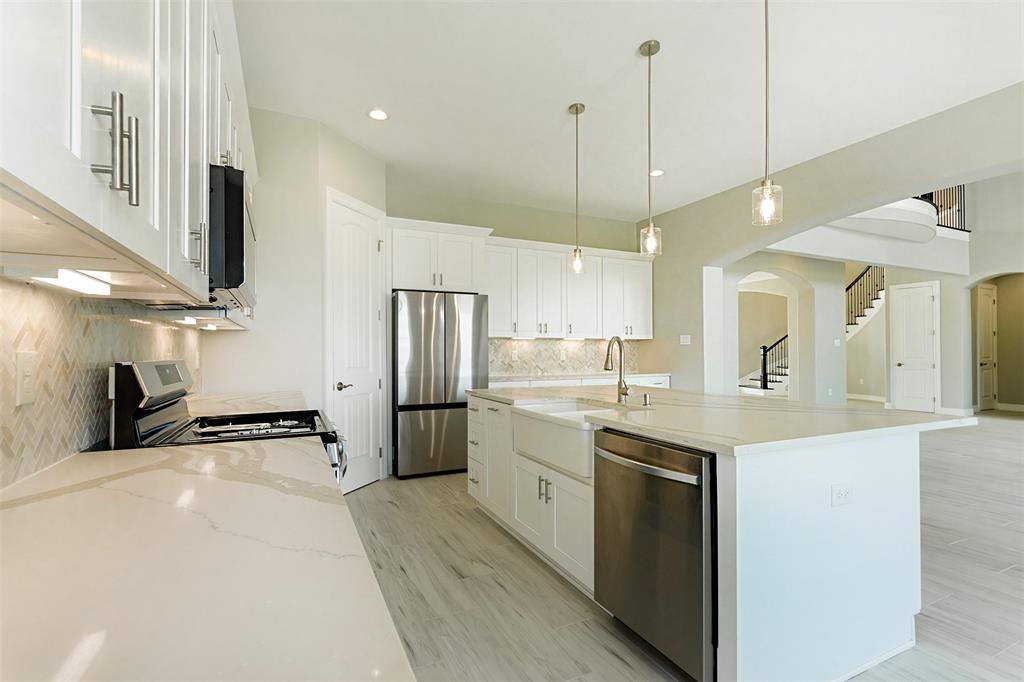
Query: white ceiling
[[478, 92]]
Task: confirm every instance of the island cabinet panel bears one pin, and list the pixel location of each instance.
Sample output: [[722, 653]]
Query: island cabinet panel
[[498, 438], [583, 299], [528, 517], [572, 526]]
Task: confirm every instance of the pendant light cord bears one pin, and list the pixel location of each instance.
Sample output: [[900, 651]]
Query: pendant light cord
[[577, 181], [766, 91], [650, 209]]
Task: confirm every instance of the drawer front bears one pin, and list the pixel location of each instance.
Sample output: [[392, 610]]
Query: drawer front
[[475, 479], [475, 441], [476, 409]]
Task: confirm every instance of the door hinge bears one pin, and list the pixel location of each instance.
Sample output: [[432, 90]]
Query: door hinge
[[378, 314], [933, 298], [380, 245], [380, 452], [933, 365], [933, 332], [380, 383]]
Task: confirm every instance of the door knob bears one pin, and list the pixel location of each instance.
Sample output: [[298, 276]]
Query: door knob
[[984, 364], [899, 364], [341, 386]]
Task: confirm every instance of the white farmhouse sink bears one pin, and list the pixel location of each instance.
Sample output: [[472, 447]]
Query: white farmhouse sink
[[556, 433]]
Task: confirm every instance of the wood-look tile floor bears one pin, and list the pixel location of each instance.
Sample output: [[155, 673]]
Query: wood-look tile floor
[[470, 603]]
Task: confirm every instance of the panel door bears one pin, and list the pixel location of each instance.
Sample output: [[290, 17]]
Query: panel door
[[572, 538], [119, 45], [197, 171], [583, 299], [551, 300], [414, 259], [528, 293], [498, 438], [356, 404], [637, 300], [913, 348], [529, 515], [455, 263], [986, 345], [613, 274], [500, 286]]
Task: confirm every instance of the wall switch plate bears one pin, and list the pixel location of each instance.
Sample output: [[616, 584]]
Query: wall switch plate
[[837, 343], [684, 339], [25, 383], [841, 494], [862, 382], [515, 355], [830, 392]]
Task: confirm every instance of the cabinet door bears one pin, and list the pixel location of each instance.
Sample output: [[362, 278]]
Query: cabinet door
[[638, 301], [498, 428], [414, 259], [583, 299], [613, 273], [500, 287], [198, 169], [551, 299], [455, 263], [528, 293], [572, 532], [529, 515]]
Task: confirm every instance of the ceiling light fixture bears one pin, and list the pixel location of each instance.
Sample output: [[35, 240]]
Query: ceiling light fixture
[[577, 253], [377, 114], [766, 199], [650, 236], [76, 281]]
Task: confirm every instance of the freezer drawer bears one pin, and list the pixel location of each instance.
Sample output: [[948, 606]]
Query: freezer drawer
[[431, 441]]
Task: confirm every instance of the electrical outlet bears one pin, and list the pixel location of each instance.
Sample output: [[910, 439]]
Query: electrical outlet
[[841, 494], [862, 381], [562, 355], [837, 343], [515, 355], [25, 371], [830, 392], [684, 339]]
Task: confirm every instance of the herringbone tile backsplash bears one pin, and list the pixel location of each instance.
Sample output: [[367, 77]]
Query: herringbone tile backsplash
[[76, 340]]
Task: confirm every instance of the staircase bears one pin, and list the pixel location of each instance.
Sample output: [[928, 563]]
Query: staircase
[[772, 378], [865, 298]]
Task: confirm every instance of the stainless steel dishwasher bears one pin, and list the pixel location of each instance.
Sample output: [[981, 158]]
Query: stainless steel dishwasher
[[654, 545]]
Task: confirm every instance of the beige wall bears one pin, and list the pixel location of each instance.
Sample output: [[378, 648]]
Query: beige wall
[[762, 322], [995, 216], [1010, 352], [298, 159], [408, 199], [76, 340], [865, 358]]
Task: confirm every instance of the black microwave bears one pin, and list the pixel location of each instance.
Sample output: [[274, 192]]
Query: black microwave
[[232, 240]]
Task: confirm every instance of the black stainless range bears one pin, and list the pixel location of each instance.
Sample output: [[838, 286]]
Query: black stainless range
[[149, 409]]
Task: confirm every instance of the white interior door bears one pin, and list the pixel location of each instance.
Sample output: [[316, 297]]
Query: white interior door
[[987, 346], [913, 326], [355, 314]]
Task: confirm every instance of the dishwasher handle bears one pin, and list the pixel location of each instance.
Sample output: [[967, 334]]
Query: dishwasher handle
[[690, 479]]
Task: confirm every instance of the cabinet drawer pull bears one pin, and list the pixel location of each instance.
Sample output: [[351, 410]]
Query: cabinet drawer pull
[[441, 277], [492, 409], [133, 161], [513, 327], [116, 113], [547, 491], [540, 488], [473, 442], [474, 480], [474, 409]]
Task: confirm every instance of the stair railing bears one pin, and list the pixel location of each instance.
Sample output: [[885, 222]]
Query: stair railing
[[774, 357], [949, 204], [862, 291]]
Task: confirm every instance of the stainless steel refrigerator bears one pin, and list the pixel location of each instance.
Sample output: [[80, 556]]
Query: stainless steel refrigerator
[[439, 350]]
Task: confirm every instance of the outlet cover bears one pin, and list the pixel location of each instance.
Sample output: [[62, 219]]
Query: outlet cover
[[25, 384], [841, 495], [684, 339], [562, 356], [515, 355]]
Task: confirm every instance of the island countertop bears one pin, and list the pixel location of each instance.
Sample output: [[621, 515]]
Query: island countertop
[[215, 561], [730, 425]]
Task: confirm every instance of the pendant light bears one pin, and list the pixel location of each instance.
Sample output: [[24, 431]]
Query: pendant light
[[766, 200], [577, 253], [650, 236]]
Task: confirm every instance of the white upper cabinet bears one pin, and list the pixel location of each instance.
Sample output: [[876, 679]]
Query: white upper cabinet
[[627, 301], [540, 295], [500, 287], [583, 299], [528, 293], [425, 256]]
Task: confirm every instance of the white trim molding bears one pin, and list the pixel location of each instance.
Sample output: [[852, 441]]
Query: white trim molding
[[955, 411], [863, 396], [1009, 407]]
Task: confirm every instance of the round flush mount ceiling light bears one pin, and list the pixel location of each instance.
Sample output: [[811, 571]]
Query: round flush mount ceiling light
[[377, 114], [656, 173]]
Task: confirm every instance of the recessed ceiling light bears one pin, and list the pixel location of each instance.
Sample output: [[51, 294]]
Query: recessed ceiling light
[[377, 114], [657, 173]]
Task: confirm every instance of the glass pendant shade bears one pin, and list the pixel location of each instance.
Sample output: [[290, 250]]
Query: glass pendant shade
[[577, 260], [766, 204], [650, 240]]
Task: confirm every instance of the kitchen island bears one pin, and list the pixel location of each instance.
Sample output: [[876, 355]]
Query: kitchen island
[[817, 526], [217, 561]]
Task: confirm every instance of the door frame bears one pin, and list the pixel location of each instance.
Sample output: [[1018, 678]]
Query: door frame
[[333, 196], [995, 346], [890, 304]]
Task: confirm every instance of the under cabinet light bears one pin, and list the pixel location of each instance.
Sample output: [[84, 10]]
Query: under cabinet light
[[76, 281]]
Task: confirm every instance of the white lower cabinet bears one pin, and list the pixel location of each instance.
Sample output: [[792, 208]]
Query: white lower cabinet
[[555, 513], [490, 454]]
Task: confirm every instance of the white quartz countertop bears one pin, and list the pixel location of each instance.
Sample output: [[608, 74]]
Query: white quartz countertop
[[585, 375], [730, 425], [230, 561]]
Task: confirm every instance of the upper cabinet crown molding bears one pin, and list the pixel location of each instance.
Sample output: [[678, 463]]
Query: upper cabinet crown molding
[[431, 226], [565, 248]]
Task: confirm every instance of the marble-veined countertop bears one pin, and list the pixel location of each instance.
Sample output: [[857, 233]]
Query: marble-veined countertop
[[222, 561], [730, 425], [613, 376]]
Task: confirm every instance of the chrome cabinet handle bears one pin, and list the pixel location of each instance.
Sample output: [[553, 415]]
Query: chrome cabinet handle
[[133, 161], [547, 491], [200, 236], [341, 386], [513, 327], [116, 113], [473, 442], [474, 480], [545, 327], [441, 277], [570, 328], [433, 279], [540, 489], [540, 328], [492, 409], [474, 409]]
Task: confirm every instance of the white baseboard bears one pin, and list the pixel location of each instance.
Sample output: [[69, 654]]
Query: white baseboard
[[869, 398], [888, 405], [956, 411], [1010, 407], [881, 659]]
